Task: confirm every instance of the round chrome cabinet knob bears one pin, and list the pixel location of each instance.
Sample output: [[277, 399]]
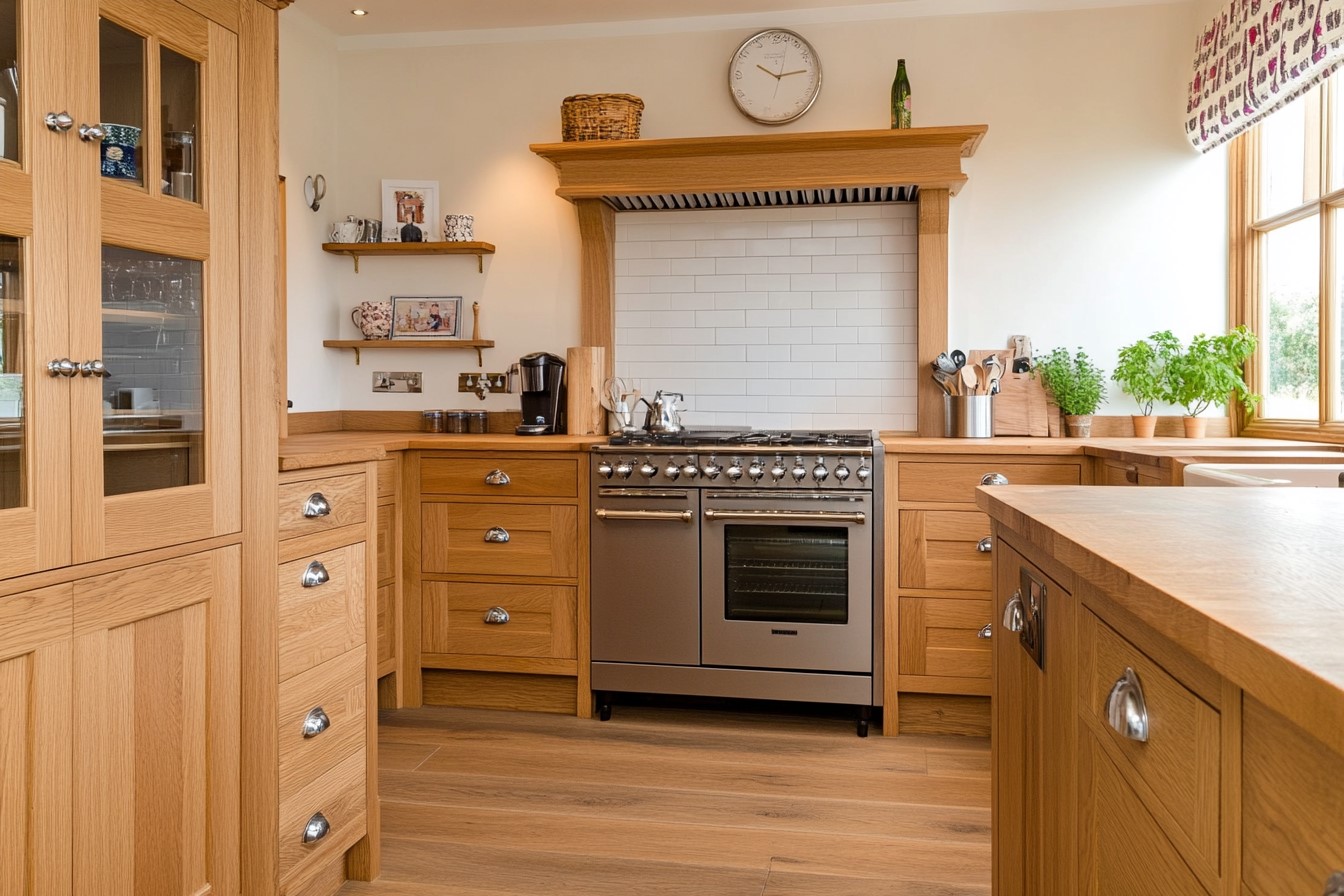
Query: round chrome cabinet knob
[[819, 472], [799, 472], [841, 473], [734, 471], [624, 468], [756, 471], [648, 470], [604, 469], [690, 470], [712, 469], [864, 473], [672, 471]]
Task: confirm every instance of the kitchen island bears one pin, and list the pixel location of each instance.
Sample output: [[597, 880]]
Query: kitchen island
[[1168, 679]]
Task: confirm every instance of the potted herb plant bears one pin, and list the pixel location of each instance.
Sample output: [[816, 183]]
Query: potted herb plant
[[1141, 372], [1206, 372], [1077, 384]]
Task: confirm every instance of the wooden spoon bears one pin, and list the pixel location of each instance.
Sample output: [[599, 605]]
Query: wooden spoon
[[968, 380]]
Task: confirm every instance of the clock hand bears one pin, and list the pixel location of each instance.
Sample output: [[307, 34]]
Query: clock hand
[[767, 71], [801, 71]]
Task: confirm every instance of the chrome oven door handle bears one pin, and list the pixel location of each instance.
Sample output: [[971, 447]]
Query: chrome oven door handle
[[791, 516], [684, 516]]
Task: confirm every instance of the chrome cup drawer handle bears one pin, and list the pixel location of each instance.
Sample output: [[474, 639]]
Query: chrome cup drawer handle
[[316, 505], [1126, 710], [497, 535], [985, 545], [316, 828], [315, 722], [986, 632], [316, 574], [496, 616], [993, 479], [1014, 616], [496, 477]]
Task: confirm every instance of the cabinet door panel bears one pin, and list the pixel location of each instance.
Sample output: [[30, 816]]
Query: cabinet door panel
[[156, 751], [939, 550], [539, 539], [940, 640], [35, 743]]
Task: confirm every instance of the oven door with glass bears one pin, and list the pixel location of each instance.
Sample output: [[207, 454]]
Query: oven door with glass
[[787, 580]]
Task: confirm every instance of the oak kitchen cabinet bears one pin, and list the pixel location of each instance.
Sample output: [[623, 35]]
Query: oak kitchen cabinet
[[1180, 735], [498, 591], [938, 630], [121, 311]]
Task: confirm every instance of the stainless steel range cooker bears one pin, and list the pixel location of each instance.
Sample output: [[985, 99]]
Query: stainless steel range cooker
[[735, 563]]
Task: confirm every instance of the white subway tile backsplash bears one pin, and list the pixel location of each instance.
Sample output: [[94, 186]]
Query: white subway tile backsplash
[[774, 318]]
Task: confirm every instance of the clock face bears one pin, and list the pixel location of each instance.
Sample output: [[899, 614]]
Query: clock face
[[774, 77]]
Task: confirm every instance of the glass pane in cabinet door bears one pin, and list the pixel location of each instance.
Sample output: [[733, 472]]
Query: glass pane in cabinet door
[[12, 429], [9, 80], [153, 396], [121, 63], [180, 102]]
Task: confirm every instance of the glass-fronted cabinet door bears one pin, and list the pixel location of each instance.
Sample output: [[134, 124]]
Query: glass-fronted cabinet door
[[156, 434], [34, 328]]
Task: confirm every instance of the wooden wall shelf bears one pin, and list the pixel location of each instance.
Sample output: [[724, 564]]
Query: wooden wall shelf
[[355, 250], [360, 344]]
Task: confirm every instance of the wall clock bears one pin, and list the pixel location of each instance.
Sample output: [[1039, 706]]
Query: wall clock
[[774, 77]]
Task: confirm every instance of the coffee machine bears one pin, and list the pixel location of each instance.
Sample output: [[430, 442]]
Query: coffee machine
[[542, 376]]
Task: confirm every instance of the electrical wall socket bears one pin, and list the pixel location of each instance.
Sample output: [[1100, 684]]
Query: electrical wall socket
[[468, 382]]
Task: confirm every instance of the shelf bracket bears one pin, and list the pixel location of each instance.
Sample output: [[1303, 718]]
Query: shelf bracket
[[355, 256], [356, 350], [480, 361], [480, 269]]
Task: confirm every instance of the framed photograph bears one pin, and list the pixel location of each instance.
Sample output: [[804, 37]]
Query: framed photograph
[[426, 317], [410, 211]]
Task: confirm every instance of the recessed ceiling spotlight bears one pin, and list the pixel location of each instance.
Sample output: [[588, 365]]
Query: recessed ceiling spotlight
[[359, 12]]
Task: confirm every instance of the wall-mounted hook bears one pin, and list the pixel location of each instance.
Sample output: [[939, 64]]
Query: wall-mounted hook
[[314, 188]]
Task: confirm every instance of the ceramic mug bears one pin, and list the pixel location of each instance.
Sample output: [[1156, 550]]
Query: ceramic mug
[[118, 151], [374, 319], [458, 228], [345, 232]]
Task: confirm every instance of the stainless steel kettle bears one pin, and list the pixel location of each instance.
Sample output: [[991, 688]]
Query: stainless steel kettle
[[664, 416]]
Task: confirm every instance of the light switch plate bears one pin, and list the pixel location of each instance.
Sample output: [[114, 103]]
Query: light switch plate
[[396, 381]]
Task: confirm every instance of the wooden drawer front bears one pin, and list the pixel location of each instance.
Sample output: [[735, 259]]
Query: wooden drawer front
[[387, 624], [940, 638], [1292, 827], [956, 482], [939, 550], [528, 477], [1114, 472], [320, 623], [541, 620], [388, 476], [1123, 850], [340, 796], [387, 542], [542, 539], [338, 689], [1177, 770], [345, 495]]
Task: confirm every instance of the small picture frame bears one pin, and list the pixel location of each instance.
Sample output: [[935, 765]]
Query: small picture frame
[[426, 317], [410, 211]]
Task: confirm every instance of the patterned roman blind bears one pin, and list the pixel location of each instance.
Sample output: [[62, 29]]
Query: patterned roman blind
[[1256, 56]]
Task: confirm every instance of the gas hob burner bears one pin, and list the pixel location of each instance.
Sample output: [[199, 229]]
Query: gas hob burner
[[747, 439]]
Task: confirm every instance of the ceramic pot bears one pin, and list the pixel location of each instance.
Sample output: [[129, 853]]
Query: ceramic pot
[[1078, 427], [374, 319], [1144, 425], [458, 228], [1195, 427]]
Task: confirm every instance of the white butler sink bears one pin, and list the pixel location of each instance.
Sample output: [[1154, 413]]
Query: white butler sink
[[1274, 475]]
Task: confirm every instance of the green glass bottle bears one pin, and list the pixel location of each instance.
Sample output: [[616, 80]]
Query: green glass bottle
[[900, 97]]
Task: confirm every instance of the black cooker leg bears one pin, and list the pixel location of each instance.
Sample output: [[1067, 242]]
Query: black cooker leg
[[603, 706], [865, 713]]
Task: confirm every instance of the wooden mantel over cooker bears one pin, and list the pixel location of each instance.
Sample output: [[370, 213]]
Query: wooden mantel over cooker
[[839, 167]]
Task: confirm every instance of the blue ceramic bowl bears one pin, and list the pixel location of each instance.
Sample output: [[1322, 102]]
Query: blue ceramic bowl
[[119, 144]]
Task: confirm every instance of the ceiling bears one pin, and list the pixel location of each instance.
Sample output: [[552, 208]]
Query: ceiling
[[419, 16]]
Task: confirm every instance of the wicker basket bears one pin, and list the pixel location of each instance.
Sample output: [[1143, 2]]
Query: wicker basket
[[600, 116]]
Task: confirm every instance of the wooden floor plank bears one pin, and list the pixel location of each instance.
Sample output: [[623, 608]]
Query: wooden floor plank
[[675, 801]]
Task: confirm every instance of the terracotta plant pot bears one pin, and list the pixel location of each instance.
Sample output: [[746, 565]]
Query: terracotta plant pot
[[1079, 427], [1144, 425], [1195, 427]]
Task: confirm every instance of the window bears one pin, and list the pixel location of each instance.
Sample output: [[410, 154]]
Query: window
[[1287, 262]]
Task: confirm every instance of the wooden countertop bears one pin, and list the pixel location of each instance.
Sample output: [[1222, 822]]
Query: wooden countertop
[[1246, 580], [322, 449]]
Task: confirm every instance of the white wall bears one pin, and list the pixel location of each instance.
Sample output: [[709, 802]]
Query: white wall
[[1087, 221]]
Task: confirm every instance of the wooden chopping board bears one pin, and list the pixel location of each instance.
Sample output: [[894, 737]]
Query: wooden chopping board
[[1022, 406]]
